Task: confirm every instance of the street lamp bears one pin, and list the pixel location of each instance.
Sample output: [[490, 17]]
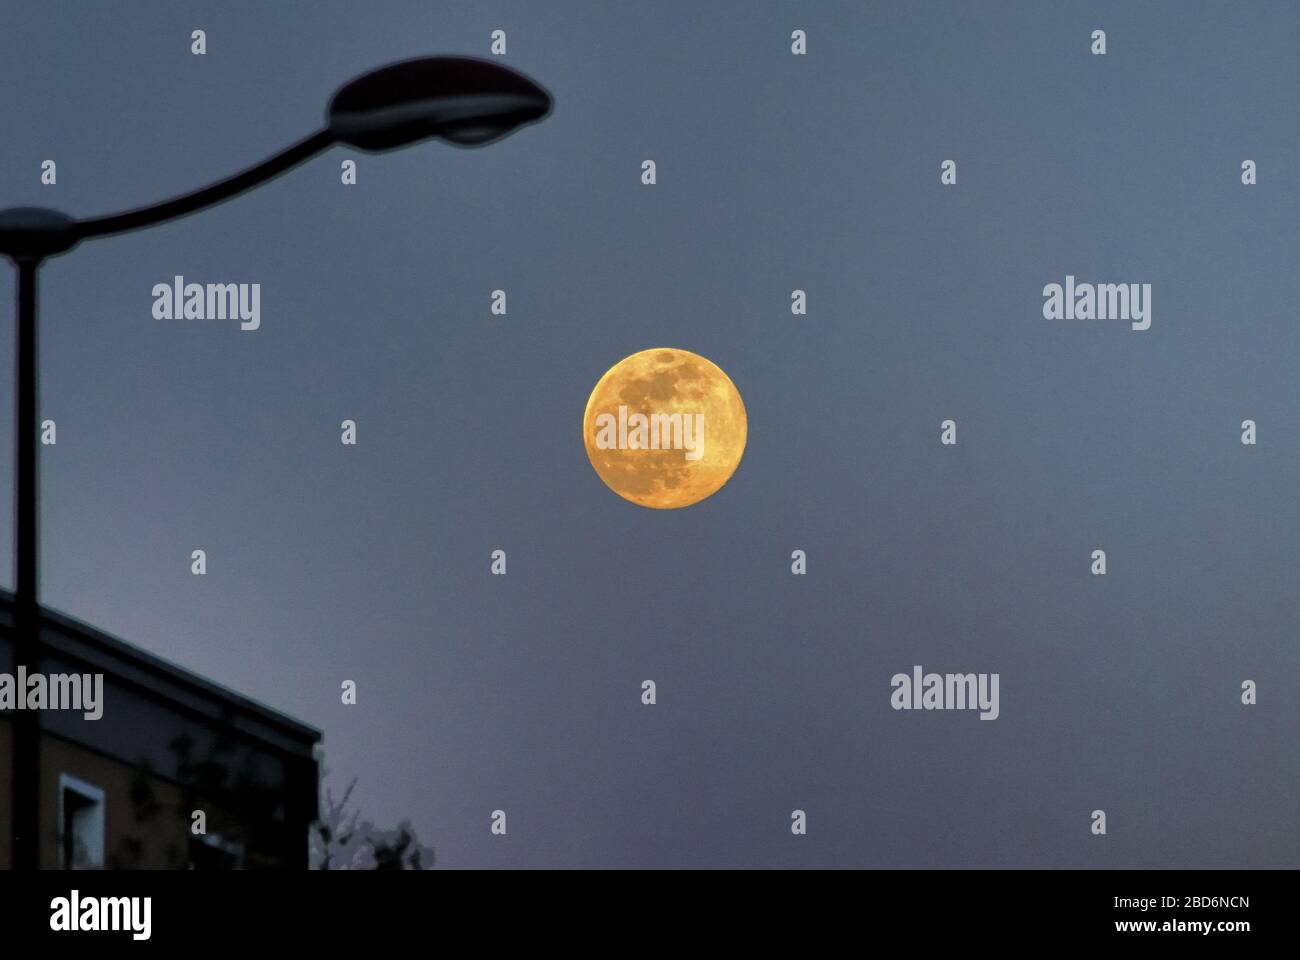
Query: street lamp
[[463, 101]]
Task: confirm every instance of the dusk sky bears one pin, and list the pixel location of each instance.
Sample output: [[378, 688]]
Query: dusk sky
[[775, 172]]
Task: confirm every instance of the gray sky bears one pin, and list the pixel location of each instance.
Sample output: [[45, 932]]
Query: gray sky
[[774, 172]]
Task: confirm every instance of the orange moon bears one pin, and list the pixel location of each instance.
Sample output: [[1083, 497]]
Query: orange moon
[[665, 428]]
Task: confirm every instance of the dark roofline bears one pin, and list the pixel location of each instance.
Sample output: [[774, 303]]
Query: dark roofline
[[121, 654]]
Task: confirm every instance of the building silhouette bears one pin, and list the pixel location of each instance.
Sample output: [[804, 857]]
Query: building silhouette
[[171, 752]]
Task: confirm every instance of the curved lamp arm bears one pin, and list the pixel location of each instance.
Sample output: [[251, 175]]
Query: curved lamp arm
[[208, 196], [464, 101]]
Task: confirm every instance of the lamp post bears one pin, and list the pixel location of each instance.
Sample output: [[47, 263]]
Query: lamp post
[[463, 101]]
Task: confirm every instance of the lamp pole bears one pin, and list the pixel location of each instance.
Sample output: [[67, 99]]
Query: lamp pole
[[26, 732], [464, 101]]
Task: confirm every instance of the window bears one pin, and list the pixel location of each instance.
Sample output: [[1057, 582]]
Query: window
[[81, 819]]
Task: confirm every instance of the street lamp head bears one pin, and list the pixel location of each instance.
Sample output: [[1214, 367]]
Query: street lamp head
[[33, 233], [463, 100]]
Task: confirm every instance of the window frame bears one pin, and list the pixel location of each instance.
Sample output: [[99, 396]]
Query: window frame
[[95, 796]]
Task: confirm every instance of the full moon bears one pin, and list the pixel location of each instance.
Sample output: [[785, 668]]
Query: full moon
[[665, 428]]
